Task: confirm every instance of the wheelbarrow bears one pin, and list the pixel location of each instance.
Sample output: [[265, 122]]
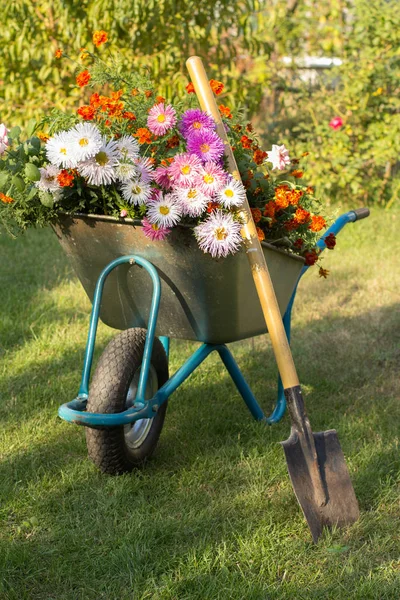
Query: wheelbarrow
[[155, 291]]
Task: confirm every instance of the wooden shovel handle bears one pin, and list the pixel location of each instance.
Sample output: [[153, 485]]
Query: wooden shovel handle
[[254, 251]]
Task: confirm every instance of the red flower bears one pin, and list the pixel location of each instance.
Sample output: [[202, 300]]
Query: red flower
[[311, 257], [336, 123], [58, 53], [65, 179], [246, 141], [298, 243], [211, 206], [297, 173], [86, 112], [256, 212], [317, 223], [83, 78], [99, 38], [323, 272], [128, 115], [259, 156], [216, 86], [330, 241], [260, 234], [225, 111], [302, 216], [190, 88]]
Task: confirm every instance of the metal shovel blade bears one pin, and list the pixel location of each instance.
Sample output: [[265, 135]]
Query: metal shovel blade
[[340, 506]]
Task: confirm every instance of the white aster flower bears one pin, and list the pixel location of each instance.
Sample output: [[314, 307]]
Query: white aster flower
[[100, 170], [191, 200], [48, 179], [59, 151], [127, 147], [232, 194], [219, 234], [136, 191], [126, 171], [279, 157], [165, 211], [85, 140], [146, 168]]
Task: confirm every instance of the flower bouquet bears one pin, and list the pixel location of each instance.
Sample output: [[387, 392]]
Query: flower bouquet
[[127, 153]]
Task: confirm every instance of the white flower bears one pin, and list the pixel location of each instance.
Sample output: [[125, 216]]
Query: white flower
[[128, 147], [136, 191], [279, 157], [126, 171], [59, 151], [48, 179], [232, 194], [165, 211], [85, 141], [100, 170], [3, 138], [146, 169], [219, 234], [191, 200]]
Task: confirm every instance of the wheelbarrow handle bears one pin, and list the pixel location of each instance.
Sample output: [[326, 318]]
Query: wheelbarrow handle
[[361, 213]]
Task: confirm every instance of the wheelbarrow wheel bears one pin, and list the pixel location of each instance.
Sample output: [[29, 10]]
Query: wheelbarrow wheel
[[117, 450]]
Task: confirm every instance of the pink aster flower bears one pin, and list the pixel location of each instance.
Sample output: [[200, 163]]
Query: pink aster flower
[[153, 231], [205, 144], [219, 234], [123, 213], [336, 123], [184, 169], [279, 156], [3, 138], [195, 119], [211, 179], [161, 118], [191, 200], [162, 176]]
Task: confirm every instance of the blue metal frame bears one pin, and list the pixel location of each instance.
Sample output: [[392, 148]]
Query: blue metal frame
[[75, 411]]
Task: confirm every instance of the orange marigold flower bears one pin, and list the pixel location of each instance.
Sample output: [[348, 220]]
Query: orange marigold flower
[[323, 272], [135, 92], [297, 173], [83, 78], [58, 53], [95, 100], [270, 209], [216, 86], [260, 234], [43, 137], [190, 88], [86, 112], [238, 128], [116, 95], [65, 179], [160, 100], [259, 156], [246, 141], [99, 38], [211, 206], [311, 257], [330, 241], [282, 196], [317, 223], [249, 128], [107, 123], [225, 111], [305, 153], [294, 196], [302, 215], [148, 93], [256, 212], [84, 54], [173, 142], [129, 115], [143, 135], [310, 190], [6, 199]]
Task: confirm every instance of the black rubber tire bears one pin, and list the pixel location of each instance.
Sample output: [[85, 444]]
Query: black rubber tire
[[116, 368]]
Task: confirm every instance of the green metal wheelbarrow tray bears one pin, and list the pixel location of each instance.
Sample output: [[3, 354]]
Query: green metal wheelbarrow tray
[[155, 291]]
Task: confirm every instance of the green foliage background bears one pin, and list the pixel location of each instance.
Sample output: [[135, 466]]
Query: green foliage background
[[243, 44]]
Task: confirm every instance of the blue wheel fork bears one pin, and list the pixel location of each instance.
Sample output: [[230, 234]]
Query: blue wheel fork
[[75, 410]]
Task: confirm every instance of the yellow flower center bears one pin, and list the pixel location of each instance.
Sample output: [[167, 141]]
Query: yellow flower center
[[136, 190], [208, 179], [161, 118], [204, 148], [185, 170], [197, 125], [101, 158], [220, 233], [63, 151], [192, 194], [155, 227], [164, 210], [229, 193], [83, 142]]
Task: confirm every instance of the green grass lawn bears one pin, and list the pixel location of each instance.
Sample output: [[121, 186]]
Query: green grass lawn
[[213, 515]]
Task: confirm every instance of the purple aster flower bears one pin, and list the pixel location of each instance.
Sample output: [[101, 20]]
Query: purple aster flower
[[145, 169], [184, 169], [219, 234], [162, 176], [205, 144], [154, 231], [211, 179], [195, 119], [161, 118]]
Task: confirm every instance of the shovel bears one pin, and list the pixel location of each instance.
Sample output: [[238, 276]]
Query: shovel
[[315, 461]]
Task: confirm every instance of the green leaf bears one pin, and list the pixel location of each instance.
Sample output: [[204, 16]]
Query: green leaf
[[14, 132], [32, 172]]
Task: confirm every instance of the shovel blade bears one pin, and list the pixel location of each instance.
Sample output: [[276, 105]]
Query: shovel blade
[[341, 508]]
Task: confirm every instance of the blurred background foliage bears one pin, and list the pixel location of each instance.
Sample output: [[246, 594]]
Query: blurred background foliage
[[258, 49]]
